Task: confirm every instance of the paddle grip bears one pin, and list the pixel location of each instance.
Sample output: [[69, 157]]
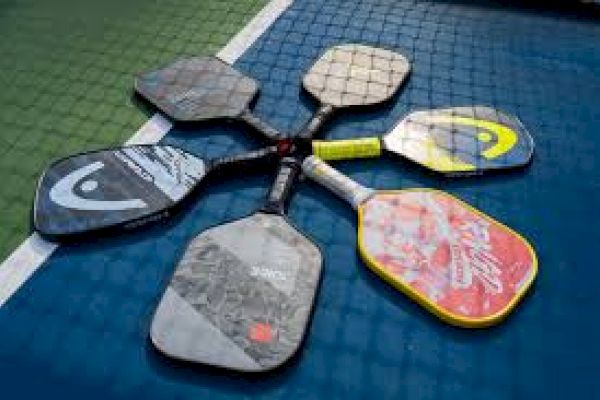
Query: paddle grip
[[317, 121], [250, 159], [261, 126], [349, 190], [289, 169], [347, 149]]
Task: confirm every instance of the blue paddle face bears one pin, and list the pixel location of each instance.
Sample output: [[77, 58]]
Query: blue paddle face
[[113, 188]]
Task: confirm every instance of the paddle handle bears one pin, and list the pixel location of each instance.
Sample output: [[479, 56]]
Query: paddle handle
[[349, 190], [261, 126], [289, 168], [347, 149], [250, 159], [316, 122]]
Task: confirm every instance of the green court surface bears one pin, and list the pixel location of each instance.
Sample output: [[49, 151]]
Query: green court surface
[[67, 70]]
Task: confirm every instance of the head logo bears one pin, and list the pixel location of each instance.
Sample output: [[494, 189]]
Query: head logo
[[63, 194], [505, 137]]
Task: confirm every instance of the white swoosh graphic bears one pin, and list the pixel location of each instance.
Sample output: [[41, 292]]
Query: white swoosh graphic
[[62, 193]]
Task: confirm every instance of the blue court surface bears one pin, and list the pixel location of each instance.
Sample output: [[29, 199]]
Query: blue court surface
[[79, 327]]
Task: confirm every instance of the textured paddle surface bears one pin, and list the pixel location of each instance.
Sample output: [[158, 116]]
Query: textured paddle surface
[[199, 88], [251, 283], [355, 74], [465, 265], [103, 189], [462, 140]]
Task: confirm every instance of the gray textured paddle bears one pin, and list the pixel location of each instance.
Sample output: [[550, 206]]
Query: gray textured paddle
[[203, 88]]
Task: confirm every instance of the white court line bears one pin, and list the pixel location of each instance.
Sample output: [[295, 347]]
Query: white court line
[[32, 253]]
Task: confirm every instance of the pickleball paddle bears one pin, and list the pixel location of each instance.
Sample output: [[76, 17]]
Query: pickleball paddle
[[203, 88], [124, 188], [460, 264], [242, 294], [453, 141], [353, 75]]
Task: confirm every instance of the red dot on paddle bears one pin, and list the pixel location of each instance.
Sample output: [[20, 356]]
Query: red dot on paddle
[[261, 332]]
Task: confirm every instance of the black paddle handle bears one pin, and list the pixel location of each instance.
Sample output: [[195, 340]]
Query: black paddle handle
[[261, 126], [289, 168], [244, 161], [317, 121]]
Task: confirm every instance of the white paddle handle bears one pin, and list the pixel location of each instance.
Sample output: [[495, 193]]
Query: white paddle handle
[[349, 190]]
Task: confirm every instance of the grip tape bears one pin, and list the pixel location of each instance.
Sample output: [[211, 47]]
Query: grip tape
[[347, 149]]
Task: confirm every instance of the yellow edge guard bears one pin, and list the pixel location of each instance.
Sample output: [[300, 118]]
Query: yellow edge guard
[[347, 149], [453, 319]]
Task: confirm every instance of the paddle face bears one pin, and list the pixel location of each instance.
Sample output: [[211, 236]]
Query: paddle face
[[198, 89], [123, 187], [462, 140], [354, 75], [462, 265], [241, 296]]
